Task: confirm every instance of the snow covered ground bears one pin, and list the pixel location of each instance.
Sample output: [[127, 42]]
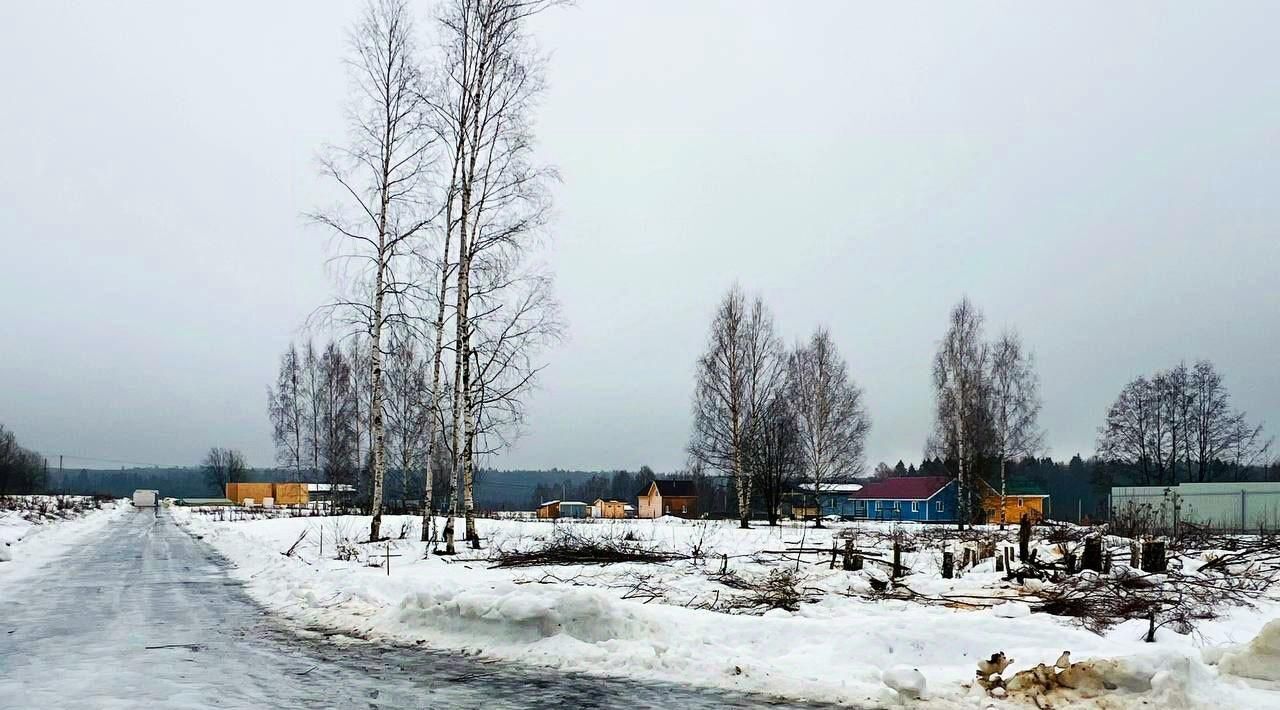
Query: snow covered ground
[[37, 529], [684, 621]]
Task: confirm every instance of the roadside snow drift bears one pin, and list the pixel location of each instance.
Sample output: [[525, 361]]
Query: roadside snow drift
[[656, 621]]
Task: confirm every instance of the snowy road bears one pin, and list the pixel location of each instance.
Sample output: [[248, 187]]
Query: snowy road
[[145, 615]]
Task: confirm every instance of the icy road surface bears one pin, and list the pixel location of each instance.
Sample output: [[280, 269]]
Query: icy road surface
[[144, 615]]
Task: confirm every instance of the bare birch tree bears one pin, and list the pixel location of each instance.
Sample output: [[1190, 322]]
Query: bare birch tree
[[742, 371], [495, 198], [382, 174], [1014, 398], [409, 411], [312, 393], [958, 380], [830, 415], [286, 407]]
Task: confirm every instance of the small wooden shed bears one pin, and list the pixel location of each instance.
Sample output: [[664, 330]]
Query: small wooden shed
[[608, 508]]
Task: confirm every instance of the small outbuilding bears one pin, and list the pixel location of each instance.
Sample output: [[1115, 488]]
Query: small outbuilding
[[608, 509], [549, 510], [810, 501], [553, 509]]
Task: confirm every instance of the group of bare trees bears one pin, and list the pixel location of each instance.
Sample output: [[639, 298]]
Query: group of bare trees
[[442, 206], [1179, 425], [316, 410], [764, 416], [222, 466], [987, 402], [21, 469]]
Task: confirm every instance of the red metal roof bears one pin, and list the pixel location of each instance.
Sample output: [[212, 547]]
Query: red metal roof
[[907, 488]]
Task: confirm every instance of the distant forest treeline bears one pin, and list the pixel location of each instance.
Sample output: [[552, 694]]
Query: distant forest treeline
[[495, 490], [1077, 487]]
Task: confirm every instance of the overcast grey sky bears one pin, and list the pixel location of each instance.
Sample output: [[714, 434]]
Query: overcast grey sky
[[1104, 179]]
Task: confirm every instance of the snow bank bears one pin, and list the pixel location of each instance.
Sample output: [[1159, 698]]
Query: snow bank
[[844, 648], [38, 531], [1260, 659]]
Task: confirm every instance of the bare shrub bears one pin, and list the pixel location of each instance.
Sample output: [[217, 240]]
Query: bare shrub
[[569, 548]]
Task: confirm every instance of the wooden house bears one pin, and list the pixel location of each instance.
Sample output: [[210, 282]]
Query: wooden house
[[553, 509], [608, 509], [918, 498], [668, 497], [1022, 496]]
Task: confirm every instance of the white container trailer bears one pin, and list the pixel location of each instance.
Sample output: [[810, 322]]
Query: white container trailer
[[145, 499]]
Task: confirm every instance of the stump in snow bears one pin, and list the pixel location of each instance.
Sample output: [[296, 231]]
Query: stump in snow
[[1153, 557], [1092, 557], [1024, 537]]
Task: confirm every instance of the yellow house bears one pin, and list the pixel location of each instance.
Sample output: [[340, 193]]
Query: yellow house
[[1021, 497], [609, 508]]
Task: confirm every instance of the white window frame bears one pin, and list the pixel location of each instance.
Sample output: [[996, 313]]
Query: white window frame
[[897, 505], [915, 506], [938, 507], [1021, 503]]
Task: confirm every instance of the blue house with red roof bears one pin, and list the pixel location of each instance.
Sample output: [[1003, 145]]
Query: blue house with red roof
[[914, 498]]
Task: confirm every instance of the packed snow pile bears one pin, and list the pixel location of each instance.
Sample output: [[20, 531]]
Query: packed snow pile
[[828, 614], [36, 529], [908, 682], [523, 613], [1259, 659], [22, 515]]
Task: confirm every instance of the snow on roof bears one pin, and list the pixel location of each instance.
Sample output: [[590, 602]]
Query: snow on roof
[[905, 488], [548, 502], [572, 502], [832, 487], [318, 487]]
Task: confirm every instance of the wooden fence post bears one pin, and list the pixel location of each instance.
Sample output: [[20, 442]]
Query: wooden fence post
[[897, 559], [948, 564]]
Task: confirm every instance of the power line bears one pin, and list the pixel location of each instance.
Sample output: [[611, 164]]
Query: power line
[[101, 459]]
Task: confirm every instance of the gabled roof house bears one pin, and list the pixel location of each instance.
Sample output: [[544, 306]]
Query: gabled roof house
[[917, 498]]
